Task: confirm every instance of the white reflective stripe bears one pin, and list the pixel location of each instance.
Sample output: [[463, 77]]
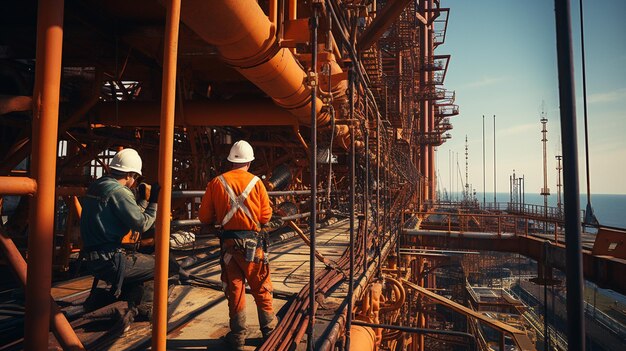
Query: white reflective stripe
[[238, 202]]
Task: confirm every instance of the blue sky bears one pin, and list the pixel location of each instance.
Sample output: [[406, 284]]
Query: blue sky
[[504, 63]]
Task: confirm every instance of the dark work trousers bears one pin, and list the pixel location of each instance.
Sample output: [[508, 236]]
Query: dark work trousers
[[138, 268]]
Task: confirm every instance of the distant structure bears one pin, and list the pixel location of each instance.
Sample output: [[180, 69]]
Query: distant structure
[[559, 169], [545, 191]]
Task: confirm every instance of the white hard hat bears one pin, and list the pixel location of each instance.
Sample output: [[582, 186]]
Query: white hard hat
[[241, 152], [126, 161]]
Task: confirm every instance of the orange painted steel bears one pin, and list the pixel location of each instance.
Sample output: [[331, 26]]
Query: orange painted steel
[[60, 326], [610, 242], [494, 323], [166, 156], [15, 103], [17, 186], [43, 168], [432, 191], [245, 112], [362, 338], [245, 39]]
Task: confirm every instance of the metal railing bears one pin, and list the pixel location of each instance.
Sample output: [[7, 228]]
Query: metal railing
[[487, 224], [553, 213]]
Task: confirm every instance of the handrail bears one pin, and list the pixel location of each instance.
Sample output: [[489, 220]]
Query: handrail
[[504, 225]]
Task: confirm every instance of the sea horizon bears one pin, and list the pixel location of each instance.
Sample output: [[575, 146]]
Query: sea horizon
[[609, 209]]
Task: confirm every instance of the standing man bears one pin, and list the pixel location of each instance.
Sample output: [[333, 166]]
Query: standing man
[[238, 202], [110, 211]]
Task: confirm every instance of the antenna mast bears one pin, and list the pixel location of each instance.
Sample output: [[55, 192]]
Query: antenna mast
[[545, 191], [467, 187], [559, 169]]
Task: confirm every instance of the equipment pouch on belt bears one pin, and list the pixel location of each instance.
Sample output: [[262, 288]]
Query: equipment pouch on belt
[[251, 245]]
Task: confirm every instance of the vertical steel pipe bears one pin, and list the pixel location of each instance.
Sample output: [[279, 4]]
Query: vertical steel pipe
[[43, 169], [495, 199], [573, 247], [424, 105], [366, 198], [352, 204], [378, 131], [430, 111], [313, 145], [166, 155]]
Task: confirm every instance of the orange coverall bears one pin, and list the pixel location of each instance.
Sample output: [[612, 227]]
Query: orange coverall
[[235, 270]]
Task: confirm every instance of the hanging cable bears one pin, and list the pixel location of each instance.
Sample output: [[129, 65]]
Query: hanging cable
[[590, 218]]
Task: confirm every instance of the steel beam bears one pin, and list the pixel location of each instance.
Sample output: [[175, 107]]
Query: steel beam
[[43, 169], [166, 157], [17, 186], [382, 22], [605, 271], [60, 326]]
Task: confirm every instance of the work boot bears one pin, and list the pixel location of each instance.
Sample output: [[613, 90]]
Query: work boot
[[236, 338], [234, 342], [267, 323]]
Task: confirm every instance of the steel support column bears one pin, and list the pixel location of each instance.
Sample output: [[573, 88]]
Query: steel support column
[[43, 169], [352, 205], [573, 247], [166, 156], [430, 111], [313, 24], [424, 105]]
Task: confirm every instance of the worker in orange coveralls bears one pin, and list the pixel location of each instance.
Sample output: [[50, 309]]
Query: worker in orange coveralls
[[237, 200]]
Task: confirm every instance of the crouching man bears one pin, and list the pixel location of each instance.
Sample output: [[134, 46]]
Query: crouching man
[[110, 211]]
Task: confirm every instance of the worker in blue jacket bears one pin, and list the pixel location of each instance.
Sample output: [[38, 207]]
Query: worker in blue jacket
[[110, 211]]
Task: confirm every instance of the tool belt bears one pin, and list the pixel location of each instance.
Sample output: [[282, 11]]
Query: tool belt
[[116, 256], [247, 241]]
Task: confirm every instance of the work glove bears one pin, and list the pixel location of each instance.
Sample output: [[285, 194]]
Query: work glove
[[274, 223], [142, 192], [154, 193]]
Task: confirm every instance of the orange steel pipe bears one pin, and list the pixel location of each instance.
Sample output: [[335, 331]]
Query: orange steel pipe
[[15, 103], [244, 37], [17, 186], [166, 156], [431, 111], [296, 130], [273, 12], [43, 167], [244, 112], [293, 9], [362, 338], [60, 326]]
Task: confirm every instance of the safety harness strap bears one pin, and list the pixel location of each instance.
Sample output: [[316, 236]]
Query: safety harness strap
[[238, 202]]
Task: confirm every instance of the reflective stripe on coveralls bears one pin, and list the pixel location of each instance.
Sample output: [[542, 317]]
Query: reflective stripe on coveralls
[[236, 271], [238, 202]]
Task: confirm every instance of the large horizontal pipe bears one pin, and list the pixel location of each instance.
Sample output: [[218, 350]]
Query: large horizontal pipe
[[17, 186], [247, 112], [200, 193], [478, 235], [419, 331], [196, 222], [246, 40]]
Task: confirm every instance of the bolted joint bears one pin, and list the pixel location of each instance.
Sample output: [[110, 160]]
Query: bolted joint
[[311, 79]]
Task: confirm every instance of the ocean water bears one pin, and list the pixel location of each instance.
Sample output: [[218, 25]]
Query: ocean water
[[610, 209]]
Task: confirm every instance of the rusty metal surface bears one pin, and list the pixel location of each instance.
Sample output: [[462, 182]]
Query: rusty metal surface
[[249, 70]]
